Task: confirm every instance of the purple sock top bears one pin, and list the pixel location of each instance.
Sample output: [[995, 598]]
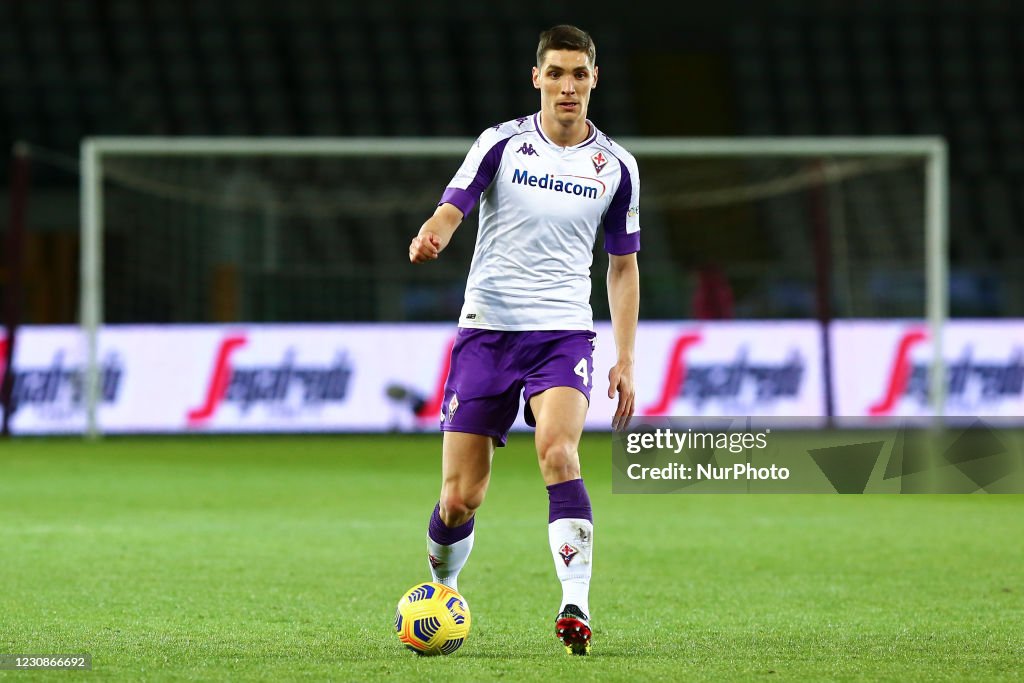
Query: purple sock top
[[446, 535], [569, 500]]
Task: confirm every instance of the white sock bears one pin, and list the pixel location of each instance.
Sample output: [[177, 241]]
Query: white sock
[[446, 561], [572, 547]]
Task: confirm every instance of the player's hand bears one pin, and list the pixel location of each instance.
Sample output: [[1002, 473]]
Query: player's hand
[[620, 380], [424, 247]]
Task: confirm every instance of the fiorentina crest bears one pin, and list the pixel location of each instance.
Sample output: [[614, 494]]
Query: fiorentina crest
[[453, 405], [600, 161], [567, 552]]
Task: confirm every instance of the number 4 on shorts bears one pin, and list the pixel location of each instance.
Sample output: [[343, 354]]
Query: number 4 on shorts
[[581, 370]]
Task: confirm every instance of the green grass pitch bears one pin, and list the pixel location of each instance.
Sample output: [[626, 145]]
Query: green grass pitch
[[281, 558]]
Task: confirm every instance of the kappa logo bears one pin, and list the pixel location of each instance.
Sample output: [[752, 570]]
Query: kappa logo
[[600, 161], [527, 149], [567, 552]]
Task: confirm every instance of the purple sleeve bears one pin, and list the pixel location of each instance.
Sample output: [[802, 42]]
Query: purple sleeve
[[616, 240], [465, 199]]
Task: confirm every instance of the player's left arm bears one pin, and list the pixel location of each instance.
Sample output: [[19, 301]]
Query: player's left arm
[[624, 303]]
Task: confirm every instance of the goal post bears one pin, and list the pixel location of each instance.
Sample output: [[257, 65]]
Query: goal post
[[99, 153]]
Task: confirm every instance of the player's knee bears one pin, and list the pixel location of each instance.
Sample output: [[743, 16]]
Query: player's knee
[[559, 457], [458, 504]]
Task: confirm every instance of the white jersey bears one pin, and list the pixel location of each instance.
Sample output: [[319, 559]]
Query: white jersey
[[540, 209]]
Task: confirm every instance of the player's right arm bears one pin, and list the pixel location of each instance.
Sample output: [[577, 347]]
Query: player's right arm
[[435, 234], [463, 192]]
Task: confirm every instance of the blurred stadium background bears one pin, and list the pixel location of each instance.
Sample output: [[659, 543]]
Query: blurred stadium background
[[71, 69], [205, 239]]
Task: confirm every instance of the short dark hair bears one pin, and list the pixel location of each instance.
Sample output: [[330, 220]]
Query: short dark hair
[[566, 37]]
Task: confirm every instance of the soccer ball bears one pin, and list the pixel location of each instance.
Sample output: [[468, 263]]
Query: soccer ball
[[432, 619]]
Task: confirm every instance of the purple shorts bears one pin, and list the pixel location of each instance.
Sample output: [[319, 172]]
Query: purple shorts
[[490, 368]]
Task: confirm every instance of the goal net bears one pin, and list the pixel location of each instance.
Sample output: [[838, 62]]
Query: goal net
[[306, 230]]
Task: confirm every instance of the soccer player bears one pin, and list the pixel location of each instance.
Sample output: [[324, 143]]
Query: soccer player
[[546, 184]]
